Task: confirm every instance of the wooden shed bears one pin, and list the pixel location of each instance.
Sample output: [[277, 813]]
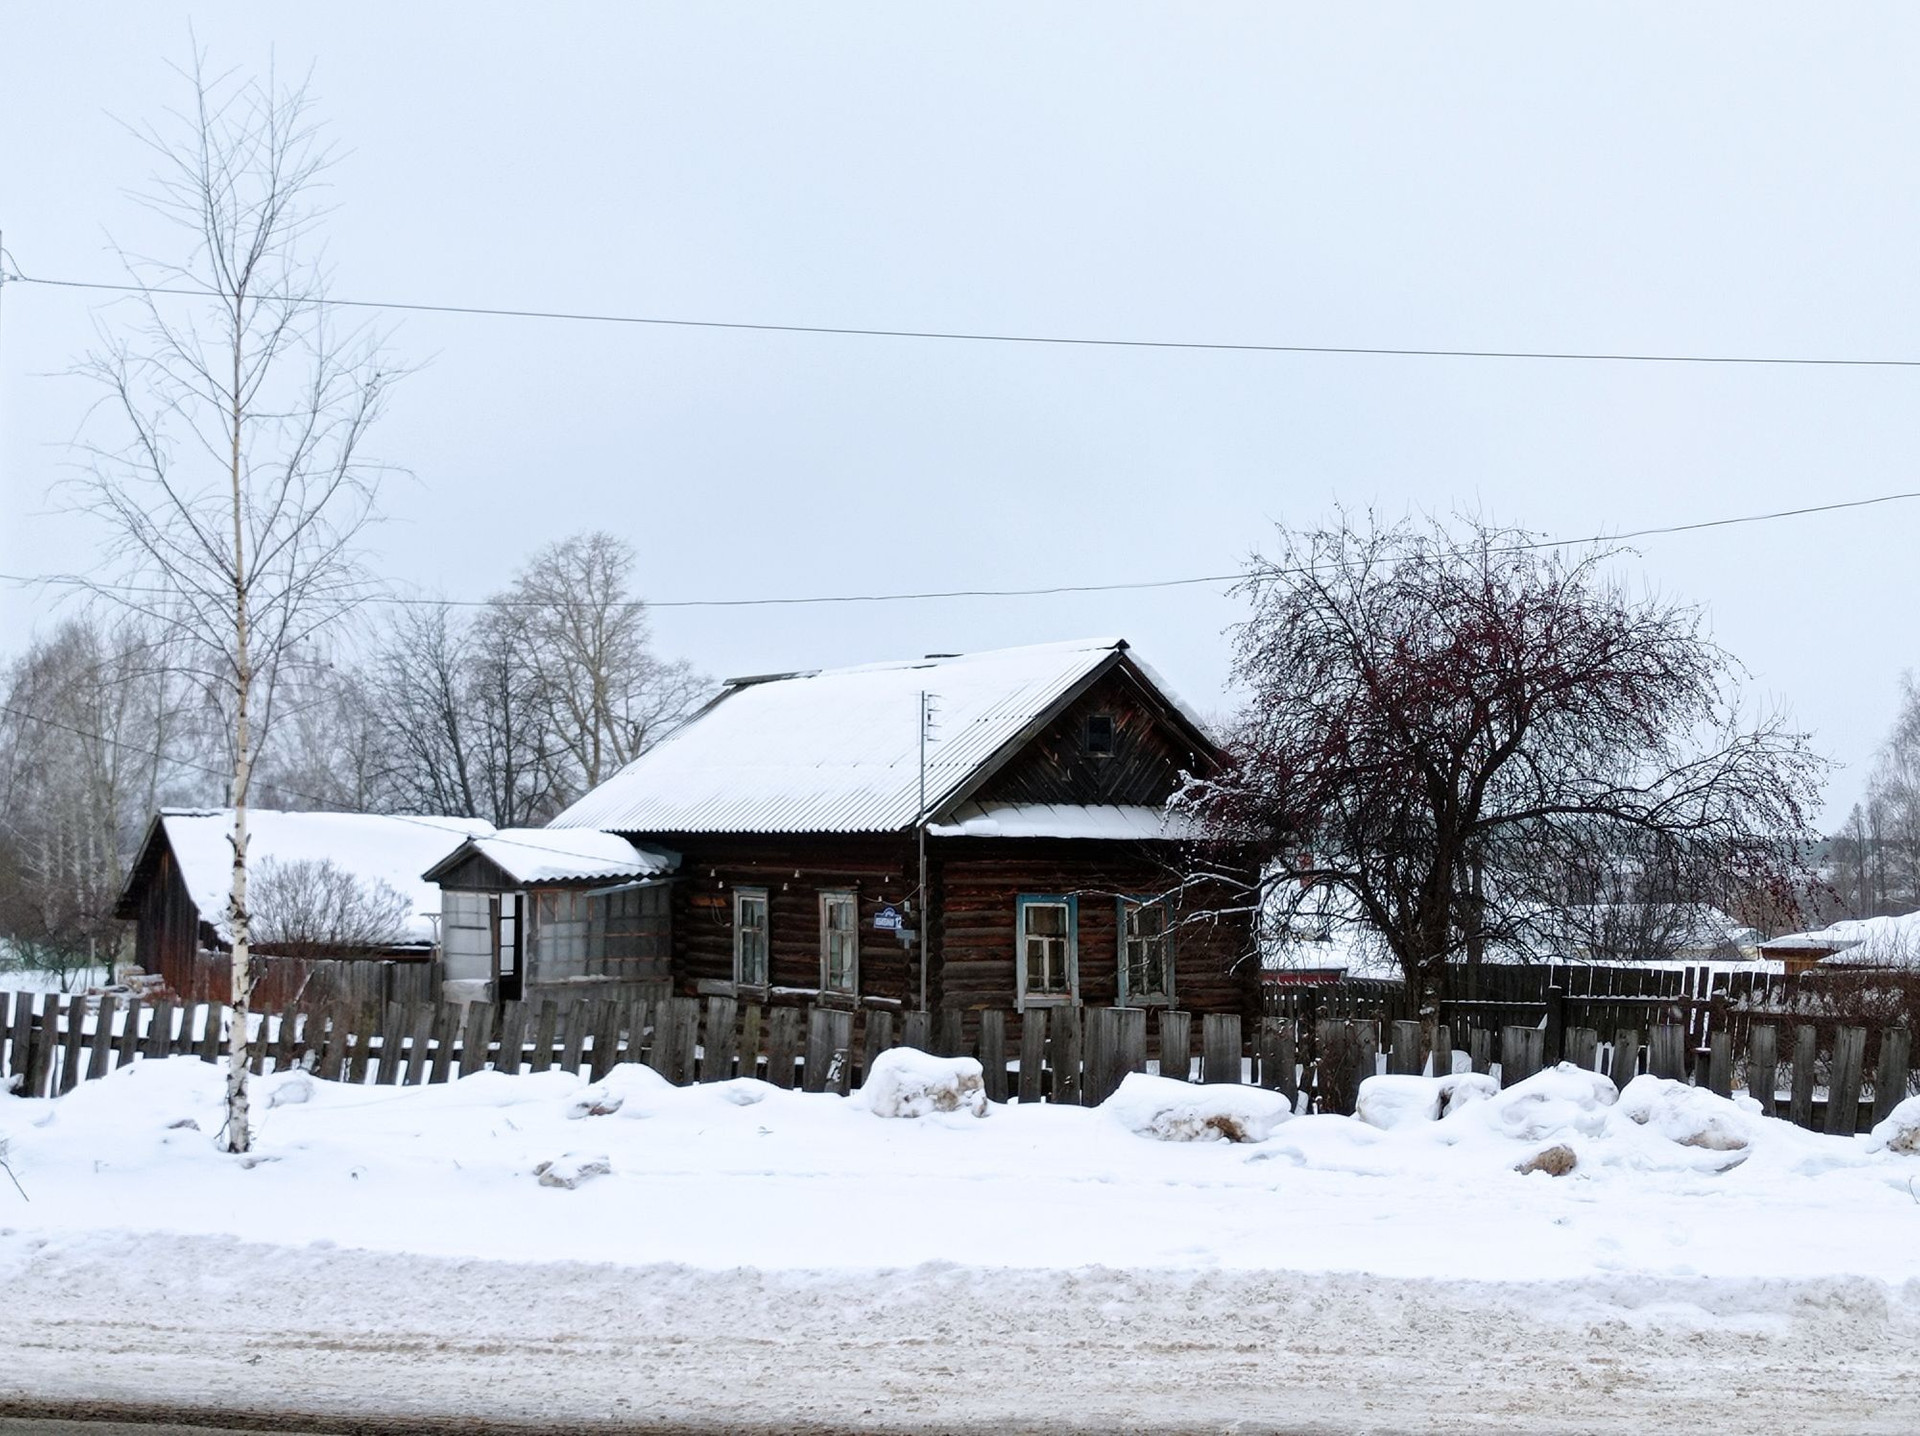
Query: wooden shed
[[962, 832]]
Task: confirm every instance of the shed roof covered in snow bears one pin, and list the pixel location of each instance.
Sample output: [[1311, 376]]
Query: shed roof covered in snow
[[1870, 942], [394, 850], [532, 856], [838, 750]]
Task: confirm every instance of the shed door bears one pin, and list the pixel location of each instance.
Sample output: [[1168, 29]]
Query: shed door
[[509, 942]]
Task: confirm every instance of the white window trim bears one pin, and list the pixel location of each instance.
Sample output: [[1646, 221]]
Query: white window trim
[[742, 896], [852, 898], [1069, 998], [1127, 998]]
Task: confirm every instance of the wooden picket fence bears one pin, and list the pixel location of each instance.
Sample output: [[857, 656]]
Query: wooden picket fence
[[48, 1045]]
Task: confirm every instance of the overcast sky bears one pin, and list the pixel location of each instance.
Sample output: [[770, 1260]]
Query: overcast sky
[[1734, 179]]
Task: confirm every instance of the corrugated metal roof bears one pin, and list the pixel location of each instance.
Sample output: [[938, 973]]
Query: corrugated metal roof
[[838, 751], [541, 855]]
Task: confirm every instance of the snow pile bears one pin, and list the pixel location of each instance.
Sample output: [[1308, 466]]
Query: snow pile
[[1392, 1101], [1690, 1116], [1900, 1132], [572, 1169], [905, 1082], [1169, 1110], [612, 1092], [1559, 1101]]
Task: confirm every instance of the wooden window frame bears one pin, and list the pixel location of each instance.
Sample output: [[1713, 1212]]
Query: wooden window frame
[[1021, 905], [1128, 998], [1086, 735], [828, 897], [741, 897]]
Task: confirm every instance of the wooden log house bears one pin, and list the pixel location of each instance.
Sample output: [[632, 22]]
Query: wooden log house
[[966, 832]]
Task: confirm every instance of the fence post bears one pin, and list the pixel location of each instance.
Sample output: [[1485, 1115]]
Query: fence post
[[1763, 1067], [1442, 1050], [1720, 1062], [1033, 1055], [1806, 1050], [1843, 1088], [1404, 1059], [1176, 1044], [993, 1053], [1890, 1077], [1667, 1052], [1220, 1047], [1583, 1045], [1555, 1036], [1626, 1056]]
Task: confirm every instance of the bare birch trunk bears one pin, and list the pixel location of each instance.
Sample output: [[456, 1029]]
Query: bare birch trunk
[[237, 917]]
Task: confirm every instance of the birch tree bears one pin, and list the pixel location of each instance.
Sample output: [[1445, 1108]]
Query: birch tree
[[227, 452]]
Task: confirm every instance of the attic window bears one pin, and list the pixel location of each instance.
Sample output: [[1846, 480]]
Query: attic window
[[1099, 737]]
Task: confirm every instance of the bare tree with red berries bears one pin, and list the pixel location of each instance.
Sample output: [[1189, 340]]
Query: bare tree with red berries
[[1445, 720]]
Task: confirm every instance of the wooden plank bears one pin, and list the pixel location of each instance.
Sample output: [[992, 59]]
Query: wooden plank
[[783, 1044], [1890, 1073], [213, 1014], [390, 1058], [722, 1042], [1667, 1051], [1176, 1045], [1843, 1087], [993, 1054], [813, 1078], [1404, 1057], [1131, 1055], [684, 1029], [1063, 1024], [1583, 1044], [76, 1026], [1033, 1056], [1806, 1051], [22, 1039], [160, 1029], [1220, 1047], [1278, 1070], [101, 1053], [446, 1023], [753, 1021], [1480, 1046], [1366, 1054], [1720, 1063], [544, 1056], [1763, 1067], [916, 1031], [573, 1039], [41, 1042], [1522, 1052], [1441, 1058], [513, 1037], [6, 1030], [419, 1042], [947, 1032], [879, 1037], [1096, 1059], [1626, 1056], [476, 1038], [261, 1043], [283, 1037]]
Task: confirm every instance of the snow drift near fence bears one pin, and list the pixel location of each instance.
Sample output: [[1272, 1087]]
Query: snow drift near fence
[[1169, 1110], [906, 1082], [1900, 1132]]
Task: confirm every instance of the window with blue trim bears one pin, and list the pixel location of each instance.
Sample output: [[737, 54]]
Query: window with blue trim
[[1046, 937], [1146, 952]]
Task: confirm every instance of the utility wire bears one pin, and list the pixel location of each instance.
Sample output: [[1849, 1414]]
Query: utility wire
[[1051, 590], [991, 337]]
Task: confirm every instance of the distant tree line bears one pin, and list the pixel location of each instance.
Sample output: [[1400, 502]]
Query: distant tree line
[[506, 710], [1872, 865]]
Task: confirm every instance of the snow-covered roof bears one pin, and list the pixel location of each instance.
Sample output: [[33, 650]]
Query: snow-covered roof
[[1860, 942], [1060, 820], [546, 855], [394, 850], [839, 750]]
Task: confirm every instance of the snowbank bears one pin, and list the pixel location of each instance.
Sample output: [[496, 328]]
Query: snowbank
[[612, 1092], [1170, 1110], [1900, 1131], [1691, 1116], [906, 1082], [1391, 1101], [1559, 1101]]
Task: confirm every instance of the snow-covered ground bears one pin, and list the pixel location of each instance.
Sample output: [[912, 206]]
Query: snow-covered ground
[[754, 1255]]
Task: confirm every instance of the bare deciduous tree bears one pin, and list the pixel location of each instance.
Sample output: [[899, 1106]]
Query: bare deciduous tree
[[1443, 720], [236, 484], [316, 908]]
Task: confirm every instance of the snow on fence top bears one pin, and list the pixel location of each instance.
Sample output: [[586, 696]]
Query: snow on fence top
[[545, 855], [838, 750], [394, 850]]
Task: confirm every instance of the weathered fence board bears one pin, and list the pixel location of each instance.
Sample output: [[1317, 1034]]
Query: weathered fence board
[[1176, 1044]]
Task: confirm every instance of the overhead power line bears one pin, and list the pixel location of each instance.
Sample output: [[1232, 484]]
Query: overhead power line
[[403, 600], [997, 337]]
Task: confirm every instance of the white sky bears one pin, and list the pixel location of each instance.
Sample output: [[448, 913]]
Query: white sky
[[1715, 178]]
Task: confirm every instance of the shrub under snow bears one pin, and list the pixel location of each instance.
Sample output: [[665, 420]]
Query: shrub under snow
[[1691, 1116], [1900, 1132], [1170, 1110], [1553, 1102], [622, 1083], [1398, 1101], [906, 1082], [570, 1170]]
